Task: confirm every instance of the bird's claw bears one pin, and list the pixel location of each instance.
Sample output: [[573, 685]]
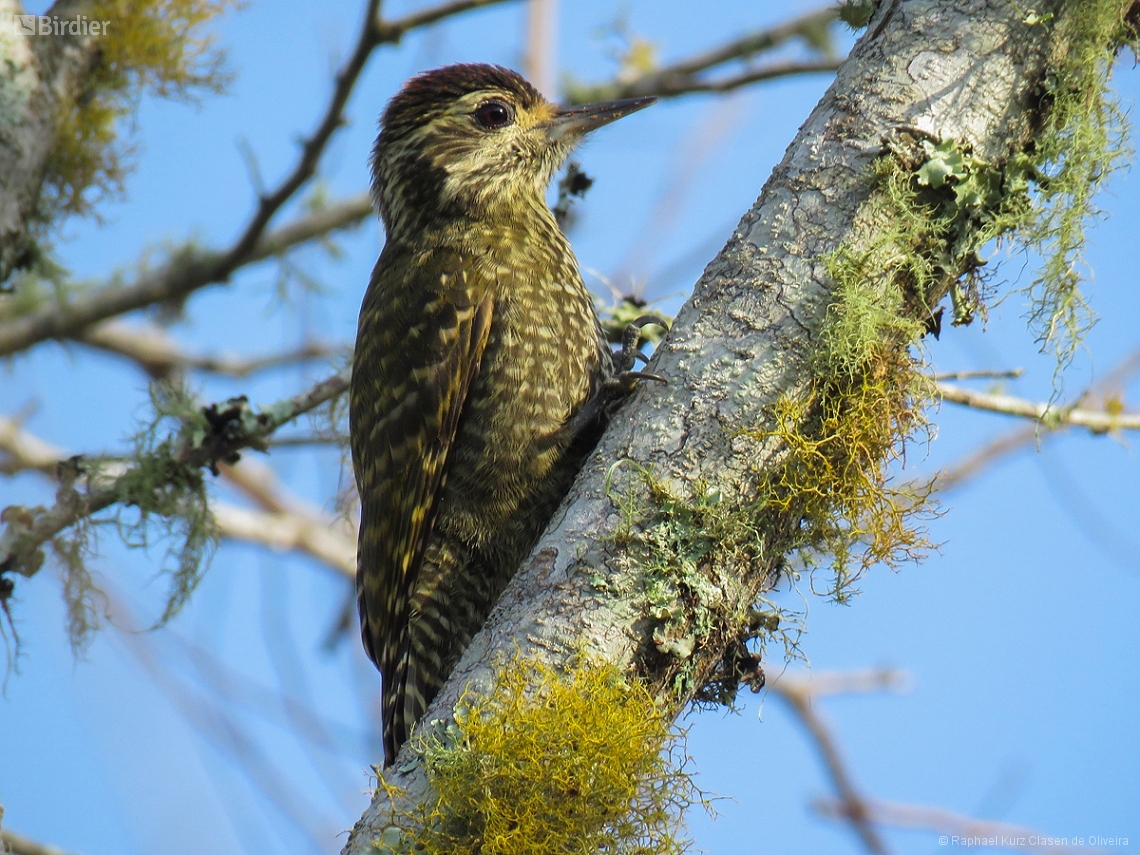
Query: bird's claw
[[625, 382], [631, 347]]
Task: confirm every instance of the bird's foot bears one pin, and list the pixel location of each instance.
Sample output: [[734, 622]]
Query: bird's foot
[[625, 379], [630, 352], [618, 387]]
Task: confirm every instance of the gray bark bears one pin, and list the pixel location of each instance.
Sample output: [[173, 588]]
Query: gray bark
[[38, 76], [966, 69]]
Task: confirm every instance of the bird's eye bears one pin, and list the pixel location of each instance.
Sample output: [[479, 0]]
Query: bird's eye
[[494, 114]]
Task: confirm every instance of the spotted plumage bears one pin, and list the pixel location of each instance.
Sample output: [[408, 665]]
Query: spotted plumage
[[477, 345]]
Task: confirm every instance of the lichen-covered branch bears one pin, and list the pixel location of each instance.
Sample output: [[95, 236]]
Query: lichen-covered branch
[[282, 522], [784, 366], [214, 436]]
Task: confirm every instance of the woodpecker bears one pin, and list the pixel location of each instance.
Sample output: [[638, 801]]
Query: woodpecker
[[478, 367]]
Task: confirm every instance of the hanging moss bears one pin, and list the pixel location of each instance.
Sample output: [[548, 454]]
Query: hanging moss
[[550, 763], [160, 499], [1083, 139], [935, 208]]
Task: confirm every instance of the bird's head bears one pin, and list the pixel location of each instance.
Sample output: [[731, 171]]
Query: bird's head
[[473, 142]]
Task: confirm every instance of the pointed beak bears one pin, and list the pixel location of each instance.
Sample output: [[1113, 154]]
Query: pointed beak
[[578, 121]]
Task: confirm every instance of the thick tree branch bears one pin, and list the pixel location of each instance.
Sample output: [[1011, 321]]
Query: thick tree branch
[[770, 71], [966, 70]]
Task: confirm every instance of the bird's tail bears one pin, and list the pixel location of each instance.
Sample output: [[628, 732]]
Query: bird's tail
[[447, 607]]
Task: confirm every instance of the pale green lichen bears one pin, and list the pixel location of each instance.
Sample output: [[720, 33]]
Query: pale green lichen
[[160, 499], [168, 497], [1082, 140], [685, 548]]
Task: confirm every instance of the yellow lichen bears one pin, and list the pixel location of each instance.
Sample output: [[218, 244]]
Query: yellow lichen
[[864, 405], [550, 763], [150, 46]]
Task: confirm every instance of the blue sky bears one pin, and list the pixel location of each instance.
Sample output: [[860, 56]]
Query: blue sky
[[1019, 635]]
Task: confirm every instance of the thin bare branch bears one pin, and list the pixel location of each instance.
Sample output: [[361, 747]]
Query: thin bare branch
[[978, 461], [187, 271], [1096, 421], [683, 77], [284, 532], [981, 459], [1011, 374], [228, 734], [284, 521], [790, 68], [799, 694], [962, 831], [24, 451], [390, 32], [160, 356], [828, 683], [28, 529], [305, 440], [753, 43], [312, 148], [861, 811], [316, 224]]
